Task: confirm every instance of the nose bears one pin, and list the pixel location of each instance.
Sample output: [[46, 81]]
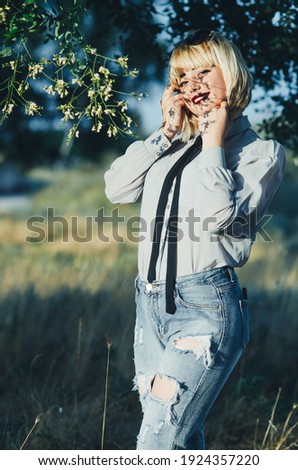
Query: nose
[[193, 85]]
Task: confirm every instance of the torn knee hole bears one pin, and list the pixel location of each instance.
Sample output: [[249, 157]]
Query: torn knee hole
[[164, 388]]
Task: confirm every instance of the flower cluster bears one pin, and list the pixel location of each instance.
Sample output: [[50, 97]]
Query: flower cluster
[[68, 112], [3, 12], [32, 108], [83, 84], [34, 70], [73, 132], [61, 60], [8, 108], [123, 61], [62, 88]]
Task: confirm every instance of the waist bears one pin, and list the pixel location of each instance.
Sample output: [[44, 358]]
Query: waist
[[218, 276]]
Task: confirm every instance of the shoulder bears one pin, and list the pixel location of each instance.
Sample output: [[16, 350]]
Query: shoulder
[[264, 152], [248, 148]]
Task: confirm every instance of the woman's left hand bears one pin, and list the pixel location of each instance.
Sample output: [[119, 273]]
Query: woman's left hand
[[214, 125]]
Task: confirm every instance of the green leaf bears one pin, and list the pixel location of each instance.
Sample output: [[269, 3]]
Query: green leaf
[[57, 27], [68, 36], [6, 52]]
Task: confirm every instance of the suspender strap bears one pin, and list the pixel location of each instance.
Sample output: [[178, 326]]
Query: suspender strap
[[172, 224]]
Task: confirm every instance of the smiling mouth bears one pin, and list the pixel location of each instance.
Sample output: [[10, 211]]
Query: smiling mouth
[[197, 99]]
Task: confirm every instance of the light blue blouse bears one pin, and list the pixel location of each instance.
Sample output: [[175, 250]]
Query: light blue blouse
[[224, 195]]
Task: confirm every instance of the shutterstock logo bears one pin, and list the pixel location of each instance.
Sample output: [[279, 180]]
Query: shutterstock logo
[[115, 227]]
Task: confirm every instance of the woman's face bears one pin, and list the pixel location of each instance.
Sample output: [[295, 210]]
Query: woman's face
[[202, 89]]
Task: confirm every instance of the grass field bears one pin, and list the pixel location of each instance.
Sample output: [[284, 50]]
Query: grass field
[[62, 304]]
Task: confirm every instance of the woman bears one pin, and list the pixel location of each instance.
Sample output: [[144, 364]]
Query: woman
[[206, 179]]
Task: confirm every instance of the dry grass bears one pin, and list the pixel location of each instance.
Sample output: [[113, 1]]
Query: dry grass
[[281, 436]]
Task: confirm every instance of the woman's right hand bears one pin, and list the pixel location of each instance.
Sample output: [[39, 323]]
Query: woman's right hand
[[172, 111]]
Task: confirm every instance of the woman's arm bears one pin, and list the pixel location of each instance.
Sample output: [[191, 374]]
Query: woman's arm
[[125, 178]]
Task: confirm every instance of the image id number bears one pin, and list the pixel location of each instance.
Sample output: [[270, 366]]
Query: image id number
[[224, 459]]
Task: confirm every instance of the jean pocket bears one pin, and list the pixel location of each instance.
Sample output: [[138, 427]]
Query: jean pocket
[[244, 310], [198, 296]]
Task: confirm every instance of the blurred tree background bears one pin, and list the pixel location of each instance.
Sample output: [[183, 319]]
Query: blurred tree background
[[145, 31], [68, 73]]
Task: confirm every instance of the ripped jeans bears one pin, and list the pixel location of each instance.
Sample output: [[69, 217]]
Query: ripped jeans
[[183, 360]]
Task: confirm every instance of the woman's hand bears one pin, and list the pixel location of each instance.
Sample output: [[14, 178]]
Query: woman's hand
[[214, 125], [172, 112]]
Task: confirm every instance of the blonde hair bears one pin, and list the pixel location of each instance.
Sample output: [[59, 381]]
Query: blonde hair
[[219, 52]]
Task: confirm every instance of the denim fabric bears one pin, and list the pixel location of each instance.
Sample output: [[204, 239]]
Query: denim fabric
[[195, 350]]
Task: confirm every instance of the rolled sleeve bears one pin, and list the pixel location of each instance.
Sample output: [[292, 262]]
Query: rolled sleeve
[[125, 178]]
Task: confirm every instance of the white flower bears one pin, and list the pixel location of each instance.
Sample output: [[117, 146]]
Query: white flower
[[45, 61], [110, 112], [77, 81], [50, 90], [97, 127], [34, 70], [90, 49], [67, 111], [123, 61], [112, 130], [23, 86], [104, 71], [128, 121], [32, 108], [61, 88], [124, 105], [60, 60], [73, 132], [94, 110], [3, 13], [95, 78], [133, 73], [8, 108], [106, 90]]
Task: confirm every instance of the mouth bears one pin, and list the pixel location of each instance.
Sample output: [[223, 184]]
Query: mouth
[[197, 99]]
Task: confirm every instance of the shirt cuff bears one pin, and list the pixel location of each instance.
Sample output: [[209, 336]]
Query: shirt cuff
[[212, 156], [157, 143]]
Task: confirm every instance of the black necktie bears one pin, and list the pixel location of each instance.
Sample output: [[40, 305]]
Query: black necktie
[[172, 223]]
